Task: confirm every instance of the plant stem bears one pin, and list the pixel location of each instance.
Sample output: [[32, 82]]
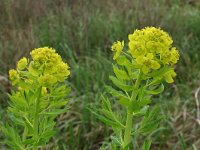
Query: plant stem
[[127, 133], [36, 117], [129, 120], [24, 134]]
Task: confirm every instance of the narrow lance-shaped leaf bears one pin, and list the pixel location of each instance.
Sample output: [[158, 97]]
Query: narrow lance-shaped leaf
[[146, 145], [156, 91], [120, 74], [120, 84]]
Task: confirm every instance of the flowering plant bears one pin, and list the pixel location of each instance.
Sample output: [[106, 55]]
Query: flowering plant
[[139, 74], [39, 97]]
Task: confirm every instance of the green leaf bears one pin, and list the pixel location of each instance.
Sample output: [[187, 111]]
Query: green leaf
[[121, 74], [106, 103], [160, 72], [29, 125], [17, 120], [13, 139], [45, 136], [18, 101], [58, 104], [146, 145], [16, 111], [118, 94], [105, 120], [142, 111], [120, 84], [28, 141], [135, 107], [134, 74], [116, 140], [150, 121], [123, 61], [158, 90], [124, 102], [54, 112], [144, 101], [107, 113]]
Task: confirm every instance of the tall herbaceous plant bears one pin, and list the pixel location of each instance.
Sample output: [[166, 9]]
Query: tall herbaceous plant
[[39, 96], [140, 70]]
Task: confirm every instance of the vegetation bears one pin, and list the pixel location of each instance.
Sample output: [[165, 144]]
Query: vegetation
[[82, 32], [38, 99], [140, 72]]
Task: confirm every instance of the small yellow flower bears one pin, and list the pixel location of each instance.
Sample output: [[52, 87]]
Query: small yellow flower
[[22, 63], [136, 48], [13, 74], [117, 47], [170, 57], [165, 57], [47, 80], [63, 72], [147, 63], [174, 56], [44, 91]]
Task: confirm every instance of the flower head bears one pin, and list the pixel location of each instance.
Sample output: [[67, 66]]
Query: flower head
[[155, 41], [22, 63], [117, 47], [46, 68], [47, 61], [13, 74], [150, 49]]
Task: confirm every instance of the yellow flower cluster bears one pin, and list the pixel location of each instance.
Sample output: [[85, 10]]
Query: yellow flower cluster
[[150, 48], [49, 63], [46, 67]]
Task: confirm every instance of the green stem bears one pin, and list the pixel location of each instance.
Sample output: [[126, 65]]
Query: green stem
[[127, 133], [129, 120], [36, 118], [126, 54], [24, 134]]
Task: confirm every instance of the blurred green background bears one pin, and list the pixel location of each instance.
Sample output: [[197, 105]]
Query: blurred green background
[[82, 32]]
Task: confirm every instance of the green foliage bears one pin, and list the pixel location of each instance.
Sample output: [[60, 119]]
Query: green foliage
[[82, 32], [134, 87], [150, 121], [34, 105], [146, 145]]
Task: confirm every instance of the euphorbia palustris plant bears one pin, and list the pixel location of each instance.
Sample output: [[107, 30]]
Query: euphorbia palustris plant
[[39, 96], [141, 68]]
